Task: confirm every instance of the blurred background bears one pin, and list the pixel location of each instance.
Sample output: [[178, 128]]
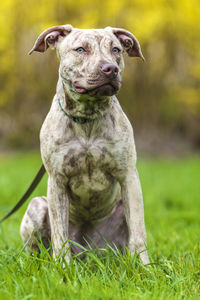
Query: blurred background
[[161, 96]]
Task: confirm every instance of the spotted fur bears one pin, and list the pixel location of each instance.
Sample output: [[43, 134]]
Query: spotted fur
[[93, 184]]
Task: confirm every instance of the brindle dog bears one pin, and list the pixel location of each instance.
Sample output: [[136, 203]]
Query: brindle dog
[[88, 148]]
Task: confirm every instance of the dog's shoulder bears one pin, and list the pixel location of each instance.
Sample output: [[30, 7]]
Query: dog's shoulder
[[121, 123]]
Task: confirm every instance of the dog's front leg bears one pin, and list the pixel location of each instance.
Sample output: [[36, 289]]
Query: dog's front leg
[[59, 217], [133, 205]]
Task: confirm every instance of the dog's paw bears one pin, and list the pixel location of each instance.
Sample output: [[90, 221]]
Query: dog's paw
[[140, 248]]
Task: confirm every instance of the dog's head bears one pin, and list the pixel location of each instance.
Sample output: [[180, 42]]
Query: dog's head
[[91, 61]]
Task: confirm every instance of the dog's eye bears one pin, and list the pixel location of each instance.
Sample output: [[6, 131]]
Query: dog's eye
[[116, 50], [80, 50]]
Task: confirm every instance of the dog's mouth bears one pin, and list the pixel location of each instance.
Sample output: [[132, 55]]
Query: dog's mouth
[[106, 89]]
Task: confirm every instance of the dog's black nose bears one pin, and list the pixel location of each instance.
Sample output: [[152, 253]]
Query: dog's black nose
[[110, 70]]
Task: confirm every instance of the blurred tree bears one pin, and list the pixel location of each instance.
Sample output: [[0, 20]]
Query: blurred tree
[[164, 92]]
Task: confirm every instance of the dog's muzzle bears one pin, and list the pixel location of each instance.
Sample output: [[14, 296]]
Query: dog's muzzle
[[111, 83]]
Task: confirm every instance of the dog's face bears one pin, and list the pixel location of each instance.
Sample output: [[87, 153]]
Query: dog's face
[[91, 61]]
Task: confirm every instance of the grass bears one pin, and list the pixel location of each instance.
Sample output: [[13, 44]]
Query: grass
[[171, 191]]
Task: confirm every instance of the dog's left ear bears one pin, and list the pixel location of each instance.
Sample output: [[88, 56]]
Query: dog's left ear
[[128, 41], [50, 37]]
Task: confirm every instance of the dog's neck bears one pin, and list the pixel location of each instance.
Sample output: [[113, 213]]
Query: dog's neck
[[83, 108]]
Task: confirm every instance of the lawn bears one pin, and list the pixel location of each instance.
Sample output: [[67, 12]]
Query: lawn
[[171, 189]]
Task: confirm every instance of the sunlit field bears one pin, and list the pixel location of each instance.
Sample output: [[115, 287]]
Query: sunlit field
[[171, 192], [160, 96]]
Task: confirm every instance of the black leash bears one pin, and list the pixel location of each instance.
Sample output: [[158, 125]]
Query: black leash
[[31, 188]]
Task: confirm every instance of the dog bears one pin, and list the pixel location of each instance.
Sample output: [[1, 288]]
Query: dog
[[88, 149]]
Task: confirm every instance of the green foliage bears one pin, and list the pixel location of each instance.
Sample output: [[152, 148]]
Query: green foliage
[[171, 200], [163, 92]]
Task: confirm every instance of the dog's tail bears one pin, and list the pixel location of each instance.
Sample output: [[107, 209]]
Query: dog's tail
[[29, 191]]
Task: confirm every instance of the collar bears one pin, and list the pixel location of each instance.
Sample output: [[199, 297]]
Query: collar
[[79, 120]]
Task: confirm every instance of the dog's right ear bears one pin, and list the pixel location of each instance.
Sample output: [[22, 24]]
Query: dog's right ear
[[50, 37], [129, 42]]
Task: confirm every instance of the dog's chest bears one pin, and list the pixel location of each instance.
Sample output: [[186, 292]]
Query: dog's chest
[[91, 167], [86, 155], [91, 159]]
